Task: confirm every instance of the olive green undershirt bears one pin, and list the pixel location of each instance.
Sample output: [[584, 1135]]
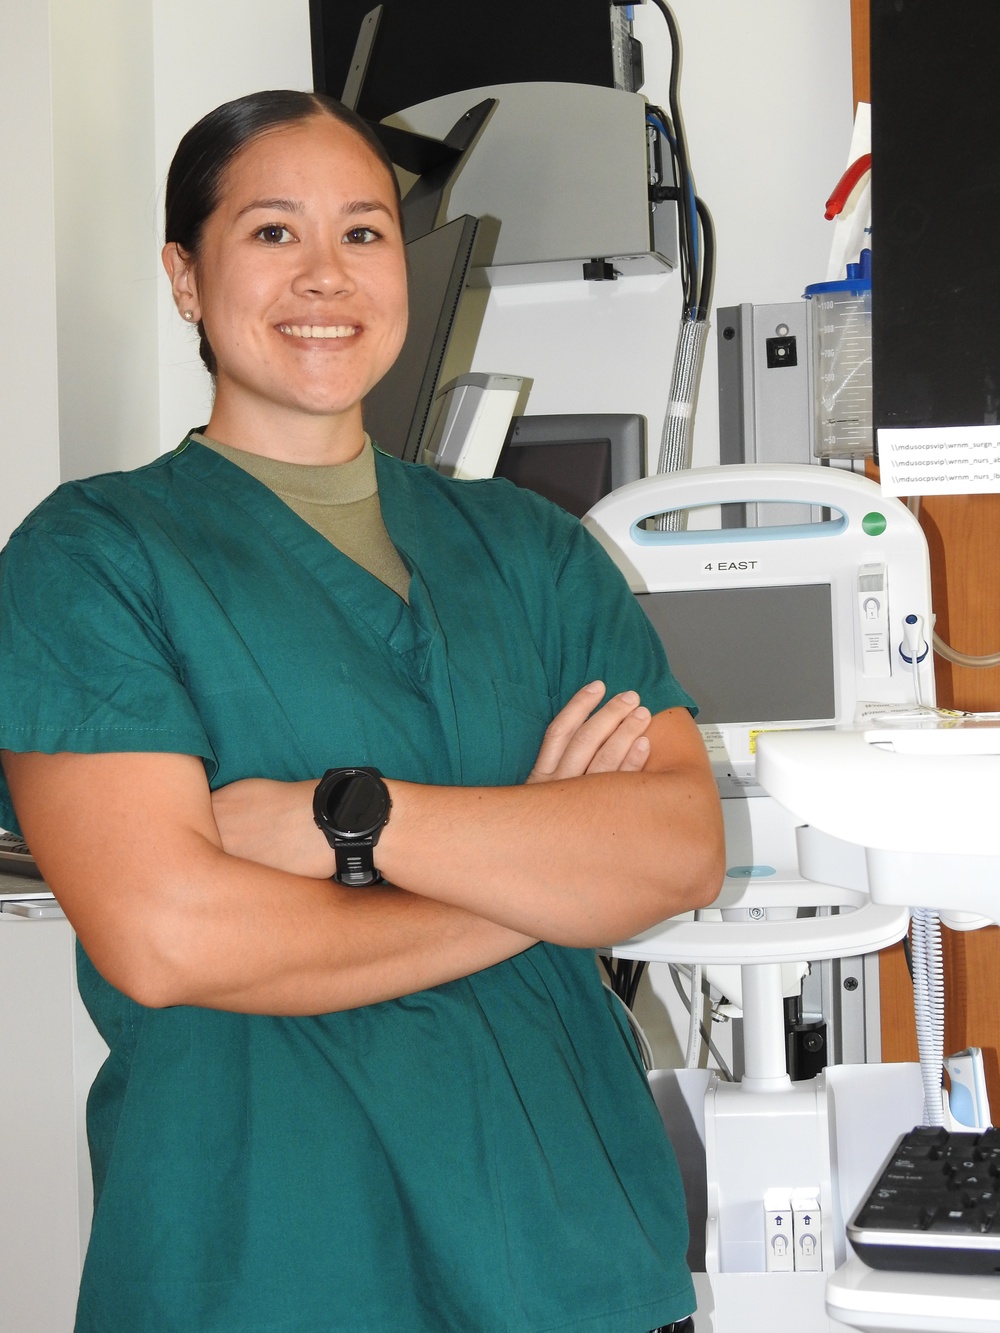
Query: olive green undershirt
[[339, 500]]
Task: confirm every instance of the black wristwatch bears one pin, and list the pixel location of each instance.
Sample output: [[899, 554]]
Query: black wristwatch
[[351, 806]]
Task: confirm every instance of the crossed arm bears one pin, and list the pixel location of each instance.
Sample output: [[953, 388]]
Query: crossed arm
[[226, 902]]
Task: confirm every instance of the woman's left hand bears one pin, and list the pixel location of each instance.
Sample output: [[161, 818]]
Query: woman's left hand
[[583, 738]]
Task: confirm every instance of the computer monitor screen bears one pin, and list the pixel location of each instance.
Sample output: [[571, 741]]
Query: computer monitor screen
[[574, 459], [395, 412], [935, 200], [427, 48], [750, 654]]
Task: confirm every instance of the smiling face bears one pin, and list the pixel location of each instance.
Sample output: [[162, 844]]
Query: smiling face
[[300, 282]]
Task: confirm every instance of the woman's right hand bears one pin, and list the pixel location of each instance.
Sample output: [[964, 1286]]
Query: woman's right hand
[[581, 740]]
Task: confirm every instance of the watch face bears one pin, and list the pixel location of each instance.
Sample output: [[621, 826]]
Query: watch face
[[356, 804]]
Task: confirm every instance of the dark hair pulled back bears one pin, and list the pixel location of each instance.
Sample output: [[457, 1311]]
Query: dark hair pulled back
[[194, 181]]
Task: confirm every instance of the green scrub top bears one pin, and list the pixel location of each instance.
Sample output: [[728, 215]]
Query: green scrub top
[[481, 1157]]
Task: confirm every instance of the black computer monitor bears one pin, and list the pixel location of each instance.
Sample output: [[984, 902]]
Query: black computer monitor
[[935, 200], [427, 48], [574, 459], [395, 412]]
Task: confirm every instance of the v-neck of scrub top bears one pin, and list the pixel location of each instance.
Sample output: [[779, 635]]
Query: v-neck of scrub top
[[339, 500], [407, 629]]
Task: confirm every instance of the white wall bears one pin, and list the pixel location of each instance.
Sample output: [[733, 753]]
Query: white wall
[[96, 369], [206, 52], [103, 112], [29, 435]]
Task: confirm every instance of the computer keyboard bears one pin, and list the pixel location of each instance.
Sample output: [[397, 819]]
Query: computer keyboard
[[15, 858], [935, 1208]]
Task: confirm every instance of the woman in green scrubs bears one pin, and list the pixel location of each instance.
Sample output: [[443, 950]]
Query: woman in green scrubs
[[391, 1098]]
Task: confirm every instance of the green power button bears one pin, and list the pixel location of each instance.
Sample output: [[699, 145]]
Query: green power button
[[874, 524]]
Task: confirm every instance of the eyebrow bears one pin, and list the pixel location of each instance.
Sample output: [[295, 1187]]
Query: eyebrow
[[366, 206], [350, 209], [271, 206]]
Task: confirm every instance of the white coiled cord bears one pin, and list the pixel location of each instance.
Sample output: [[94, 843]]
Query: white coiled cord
[[928, 1003]]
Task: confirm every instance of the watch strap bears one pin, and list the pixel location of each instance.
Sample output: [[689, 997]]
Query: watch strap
[[356, 864]]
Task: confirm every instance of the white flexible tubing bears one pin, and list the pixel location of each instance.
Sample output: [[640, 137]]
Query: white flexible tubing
[[642, 1041], [913, 641], [950, 654], [693, 1054], [928, 1003]]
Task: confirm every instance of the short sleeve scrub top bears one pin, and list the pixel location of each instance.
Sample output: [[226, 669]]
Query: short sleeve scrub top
[[481, 1157]]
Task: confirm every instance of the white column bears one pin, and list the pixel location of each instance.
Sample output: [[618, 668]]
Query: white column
[[764, 1058]]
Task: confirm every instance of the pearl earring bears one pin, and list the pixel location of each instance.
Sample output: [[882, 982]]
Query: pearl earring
[[188, 315]]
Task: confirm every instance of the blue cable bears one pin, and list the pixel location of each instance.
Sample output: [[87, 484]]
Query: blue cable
[[658, 124]]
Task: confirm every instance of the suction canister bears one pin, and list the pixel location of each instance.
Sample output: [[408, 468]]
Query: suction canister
[[842, 362]]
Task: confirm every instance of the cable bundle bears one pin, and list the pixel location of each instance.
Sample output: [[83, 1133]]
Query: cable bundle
[[696, 242]]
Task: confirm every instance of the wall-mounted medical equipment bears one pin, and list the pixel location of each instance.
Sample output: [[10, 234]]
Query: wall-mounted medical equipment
[[765, 389], [795, 384], [841, 337], [564, 168]]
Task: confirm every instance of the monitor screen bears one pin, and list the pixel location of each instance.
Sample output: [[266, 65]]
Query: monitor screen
[[935, 199], [750, 654], [574, 459], [396, 410], [427, 48]]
